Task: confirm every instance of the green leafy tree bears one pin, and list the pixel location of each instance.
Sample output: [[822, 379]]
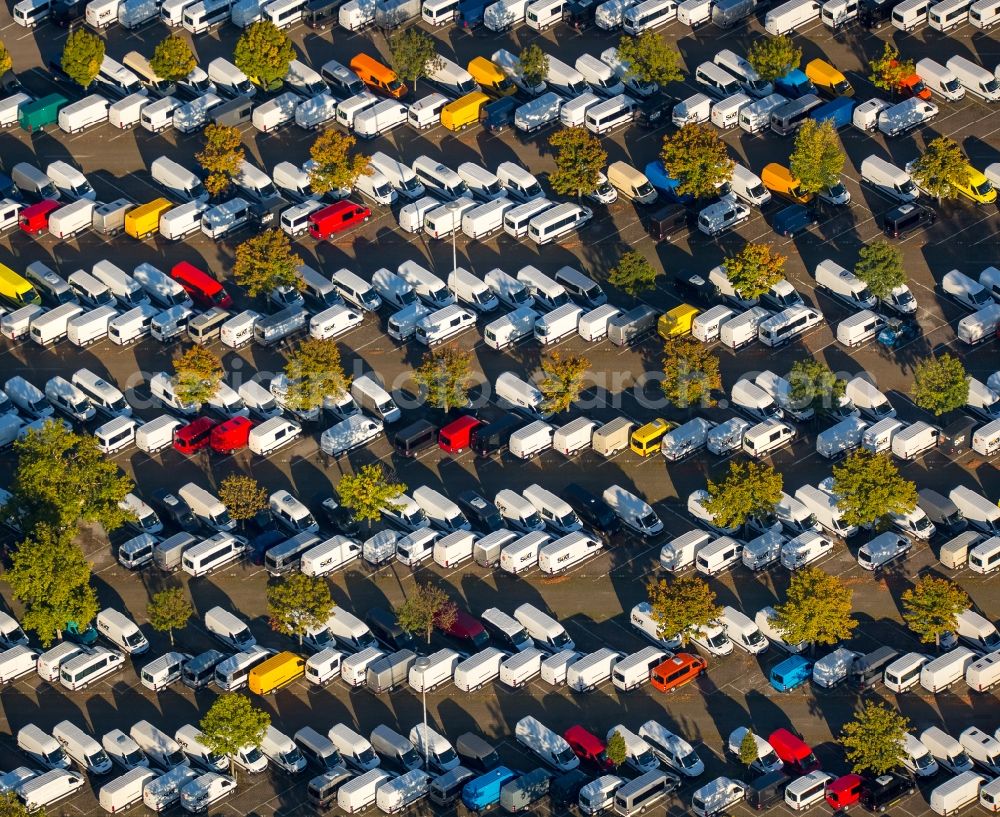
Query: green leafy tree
[[817, 609], [649, 58], [754, 269], [814, 385], [368, 492], [169, 610], [82, 56], [198, 372], [940, 384], [748, 749], [221, 157], [6, 63], [314, 372], [533, 64], [773, 57], [173, 59], [263, 52], [691, 372], [818, 158], [50, 576], [413, 54], [616, 749], [445, 375], [869, 487], [11, 806], [750, 489], [681, 607], [633, 274], [873, 742], [266, 261], [63, 478], [336, 166], [579, 159], [231, 723], [931, 608], [942, 168], [426, 607], [880, 266], [564, 379], [698, 159], [888, 71], [298, 604], [243, 496]]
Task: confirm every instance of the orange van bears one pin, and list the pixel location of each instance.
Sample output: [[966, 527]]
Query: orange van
[[378, 77], [677, 671]]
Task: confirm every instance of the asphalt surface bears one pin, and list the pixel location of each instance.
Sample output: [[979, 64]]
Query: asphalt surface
[[593, 600]]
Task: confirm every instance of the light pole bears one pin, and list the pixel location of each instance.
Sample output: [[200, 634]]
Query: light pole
[[422, 663], [453, 208]]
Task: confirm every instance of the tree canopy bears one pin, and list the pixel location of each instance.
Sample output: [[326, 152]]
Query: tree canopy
[[298, 603], [445, 376], [940, 384], [6, 63], [691, 372], [681, 607], [221, 157], [231, 723], [413, 54], [427, 606], [580, 158], [265, 261], [649, 58], [243, 496], [314, 372], [264, 52], [698, 159], [368, 491], [888, 71], [817, 609], [754, 269], [82, 55], [880, 266], [813, 385], [335, 165], [869, 487], [563, 381], [533, 64], [873, 742], [818, 157], [942, 168], [773, 57], [198, 372], [169, 610], [931, 607], [633, 274], [173, 58], [750, 489]]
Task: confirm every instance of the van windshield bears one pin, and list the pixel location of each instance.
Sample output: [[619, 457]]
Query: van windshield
[[560, 641], [564, 755], [134, 758], [55, 758], [222, 519], [135, 639], [647, 521]]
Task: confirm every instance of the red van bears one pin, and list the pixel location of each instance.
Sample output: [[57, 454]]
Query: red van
[[204, 290], [194, 436], [793, 752], [35, 219], [844, 791], [677, 671], [588, 747], [230, 436], [455, 436], [324, 223], [467, 630]]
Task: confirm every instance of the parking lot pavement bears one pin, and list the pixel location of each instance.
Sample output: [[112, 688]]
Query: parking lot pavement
[[594, 599]]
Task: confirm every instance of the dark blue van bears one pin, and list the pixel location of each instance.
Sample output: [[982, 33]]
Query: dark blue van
[[793, 220], [665, 186], [840, 111], [499, 114], [794, 84], [470, 13], [484, 791]]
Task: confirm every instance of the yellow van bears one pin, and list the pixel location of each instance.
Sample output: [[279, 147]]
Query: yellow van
[[16, 290], [828, 79], [144, 220], [490, 78], [780, 181], [277, 671], [464, 111], [677, 321], [645, 439], [979, 189]]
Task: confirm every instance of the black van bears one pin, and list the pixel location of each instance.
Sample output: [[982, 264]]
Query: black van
[[481, 513], [592, 510], [907, 217], [321, 14], [499, 114], [767, 790], [476, 753], [387, 631], [414, 438], [565, 789], [235, 112], [493, 438], [867, 671], [878, 793]]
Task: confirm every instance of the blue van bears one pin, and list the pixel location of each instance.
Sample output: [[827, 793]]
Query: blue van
[[840, 111], [794, 84], [793, 220], [790, 673], [484, 791], [664, 185], [470, 13], [499, 114]]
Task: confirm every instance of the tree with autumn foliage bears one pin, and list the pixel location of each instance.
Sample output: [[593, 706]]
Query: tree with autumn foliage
[[754, 269], [564, 379], [221, 157], [691, 371], [698, 159], [580, 159], [266, 261], [335, 164]]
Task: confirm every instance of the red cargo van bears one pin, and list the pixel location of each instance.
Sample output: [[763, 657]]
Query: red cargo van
[[204, 290], [230, 436], [455, 436], [35, 219], [324, 223], [677, 671], [588, 747], [467, 630], [194, 436], [844, 791], [793, 752]]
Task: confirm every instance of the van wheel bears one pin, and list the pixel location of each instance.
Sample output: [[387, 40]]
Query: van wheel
[[366, 218]]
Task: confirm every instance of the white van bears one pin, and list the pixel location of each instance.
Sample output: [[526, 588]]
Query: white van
[[121, 631], [790, 15], [82, 748], [547, 633], [672, 749]]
